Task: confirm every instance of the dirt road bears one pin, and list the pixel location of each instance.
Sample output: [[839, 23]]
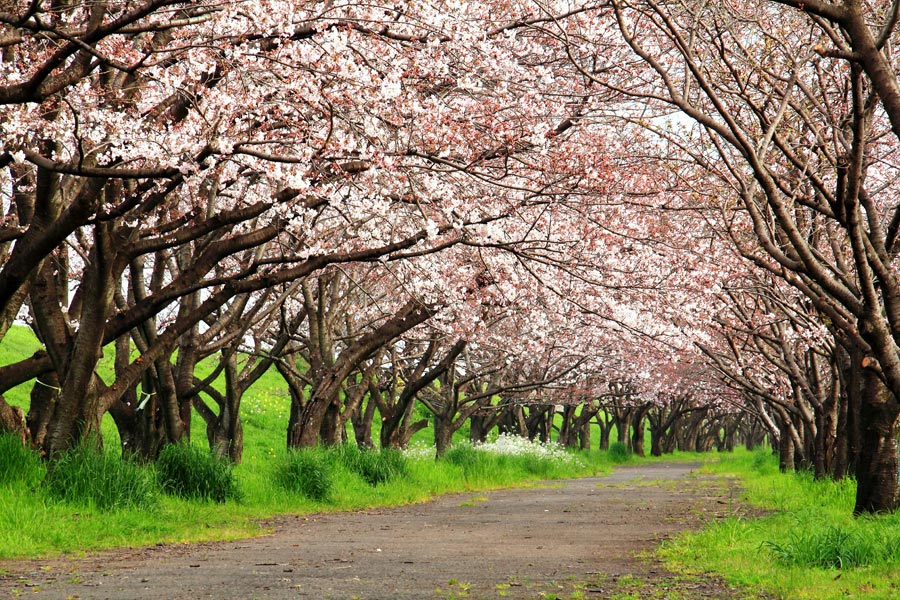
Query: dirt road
[[573, 539]]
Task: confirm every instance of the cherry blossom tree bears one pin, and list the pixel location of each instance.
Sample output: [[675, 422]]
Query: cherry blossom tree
[[257, 143], [451, 204], [792, 110]]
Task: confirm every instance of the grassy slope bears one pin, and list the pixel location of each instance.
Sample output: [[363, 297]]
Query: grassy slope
[[809, 521]]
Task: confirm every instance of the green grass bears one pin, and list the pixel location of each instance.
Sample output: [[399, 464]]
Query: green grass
[[618, 452], [18, 465], [32, 524], [307, 472], [374, 466], [193, 473], [89, 477], [808, 546]]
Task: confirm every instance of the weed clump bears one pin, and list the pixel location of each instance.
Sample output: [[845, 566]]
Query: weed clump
[[189, 472], [374, 466], [307, 472], [89, 476], [464, 456], [18, 464], [618, 452], [836, 547], [545, 468]]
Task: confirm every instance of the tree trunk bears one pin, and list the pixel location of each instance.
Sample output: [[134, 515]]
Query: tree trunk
[[729, 432], [12, 421], [820, 444], [293, 428], [443, 435], [547, 425], [512, 421], [536, 422], [138, 418], [225, 432], [43, 400], [605, 424], [655, 442], [78, 411], [840, 463], [584, 435], [637, 436], [479, 427], [308, 426], [568, 430], [622, 420], [330, 432], [287, 368], [226, 439], [849, 433], [876, 471], [362, 424], [786, 453]]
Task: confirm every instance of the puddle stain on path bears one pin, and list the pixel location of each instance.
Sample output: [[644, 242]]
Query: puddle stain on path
[[576, 539]]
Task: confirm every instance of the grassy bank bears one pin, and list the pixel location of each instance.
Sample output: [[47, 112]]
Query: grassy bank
[[40, 517], [808, 546]]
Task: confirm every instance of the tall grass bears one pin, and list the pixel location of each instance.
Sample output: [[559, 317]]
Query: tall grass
[[91, 477], [308, 472], [18, 465], [191, 472], [618, 452], [838, 547], [374, 466], [464, 456]]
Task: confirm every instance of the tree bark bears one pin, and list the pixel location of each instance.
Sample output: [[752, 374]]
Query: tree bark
[[512, 421], [443, 435], [637, 437], [876, 472], [584, 436], [12, 421], [78, 410], [331, 433], [362, 424], [786, 454], [224, 431], [43, 400], [605, 424]]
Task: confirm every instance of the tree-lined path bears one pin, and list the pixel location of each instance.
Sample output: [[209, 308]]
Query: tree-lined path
[[581, 535]]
